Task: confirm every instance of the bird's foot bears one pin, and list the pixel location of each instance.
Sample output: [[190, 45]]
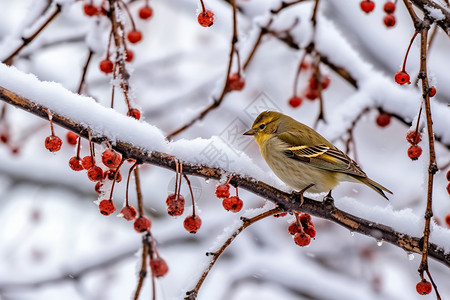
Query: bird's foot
[[300, 193]]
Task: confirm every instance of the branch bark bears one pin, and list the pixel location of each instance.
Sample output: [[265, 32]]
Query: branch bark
[[286, 201]]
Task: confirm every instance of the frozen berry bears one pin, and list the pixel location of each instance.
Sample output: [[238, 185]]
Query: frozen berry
[[389, 7], [236, 82], [145, 12], [192, 223], [134, 113], [310, 230], [110, 174], [175, 205], [432, 91], [87, 162], [294, 228], [75, 163], [111, 158], [447, 218], [159, 267], [142, 224], [106, 207], [423, 287], [71, 138], [413, 137], [311, 94], [206, 18], [295, 101], [106, 66], [302, 239], [401, 77], [223, 191], [53, 143], [367, 6], [129, 55], [383, 120], [389, 20], [414, 152], [98, 187], [95, 173], [233, 204], [134, 36], [90, 10], [128, 212]]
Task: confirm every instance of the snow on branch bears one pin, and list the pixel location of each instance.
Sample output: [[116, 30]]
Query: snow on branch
[[147, 144]]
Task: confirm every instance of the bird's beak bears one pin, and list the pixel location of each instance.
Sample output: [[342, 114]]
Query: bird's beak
[[250, 132]]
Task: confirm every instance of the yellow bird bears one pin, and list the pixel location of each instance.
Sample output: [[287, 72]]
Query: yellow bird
[[302, 158]]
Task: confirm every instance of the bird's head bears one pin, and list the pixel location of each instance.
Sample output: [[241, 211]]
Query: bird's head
[[265, 125]]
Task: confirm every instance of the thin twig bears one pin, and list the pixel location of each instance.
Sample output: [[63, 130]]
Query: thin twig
[[143, 269]]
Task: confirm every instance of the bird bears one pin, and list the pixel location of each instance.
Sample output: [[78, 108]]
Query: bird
[[302, 158]]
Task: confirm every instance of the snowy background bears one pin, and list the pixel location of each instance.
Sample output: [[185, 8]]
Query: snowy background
[[55, 245]]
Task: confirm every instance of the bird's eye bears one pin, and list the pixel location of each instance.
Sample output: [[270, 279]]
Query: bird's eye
[[262, 126]]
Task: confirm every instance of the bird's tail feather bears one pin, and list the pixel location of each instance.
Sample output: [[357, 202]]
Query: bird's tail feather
[[375, 186]]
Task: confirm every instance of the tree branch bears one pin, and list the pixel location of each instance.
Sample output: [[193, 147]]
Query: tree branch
[[286, 201]]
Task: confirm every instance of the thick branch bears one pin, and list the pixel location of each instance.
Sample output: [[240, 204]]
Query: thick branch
[[288, 202]]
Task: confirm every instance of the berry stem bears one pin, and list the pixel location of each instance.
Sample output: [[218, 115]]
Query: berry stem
[[83, 75], [115, 177], [297, 74], [138, 191], [229, 179], [407, 50], [177, 192], [144, 264], [125, 7], [176, 175], [203, 6], [237, 194], [128, 183], [192, 194], [434, 285], [91, 146], [78, 146]]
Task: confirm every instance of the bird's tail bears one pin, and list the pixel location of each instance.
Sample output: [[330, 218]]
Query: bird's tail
[[375, 186]]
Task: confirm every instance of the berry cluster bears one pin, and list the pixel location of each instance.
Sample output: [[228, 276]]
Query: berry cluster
[[302, 229], [234, 203], [312, 90], [414, 137], [368, 6]]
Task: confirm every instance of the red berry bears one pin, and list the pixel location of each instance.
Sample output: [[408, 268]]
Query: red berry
[[142, 224], [414, 152], [90, 10], [106, 66], [401, 77], [367, 6], [98, 187], [134, 36], [432, 91], [134, 113], [311, 94], [448, 175], [294, 228], [302, 239], [75, 163], [175, 205], [95, 173], [110, 174], [106, 207], [295, 101], [233, 204], [128, 212], [389, 7], [111, 158], [53, 143], [4, 137], [192, 223], [206, 18], [447, 218], [159, 267], [389, 20], [223, 191], [325, 82], [236, 82], [313, 84], [129, 55], [383, 120], [413, 137], [311, 231], [72, 138], [423, 287], [87, 162], [448, 188], [145, 12]]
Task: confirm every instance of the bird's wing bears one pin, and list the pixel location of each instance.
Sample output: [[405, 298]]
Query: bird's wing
[[326, 158]]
